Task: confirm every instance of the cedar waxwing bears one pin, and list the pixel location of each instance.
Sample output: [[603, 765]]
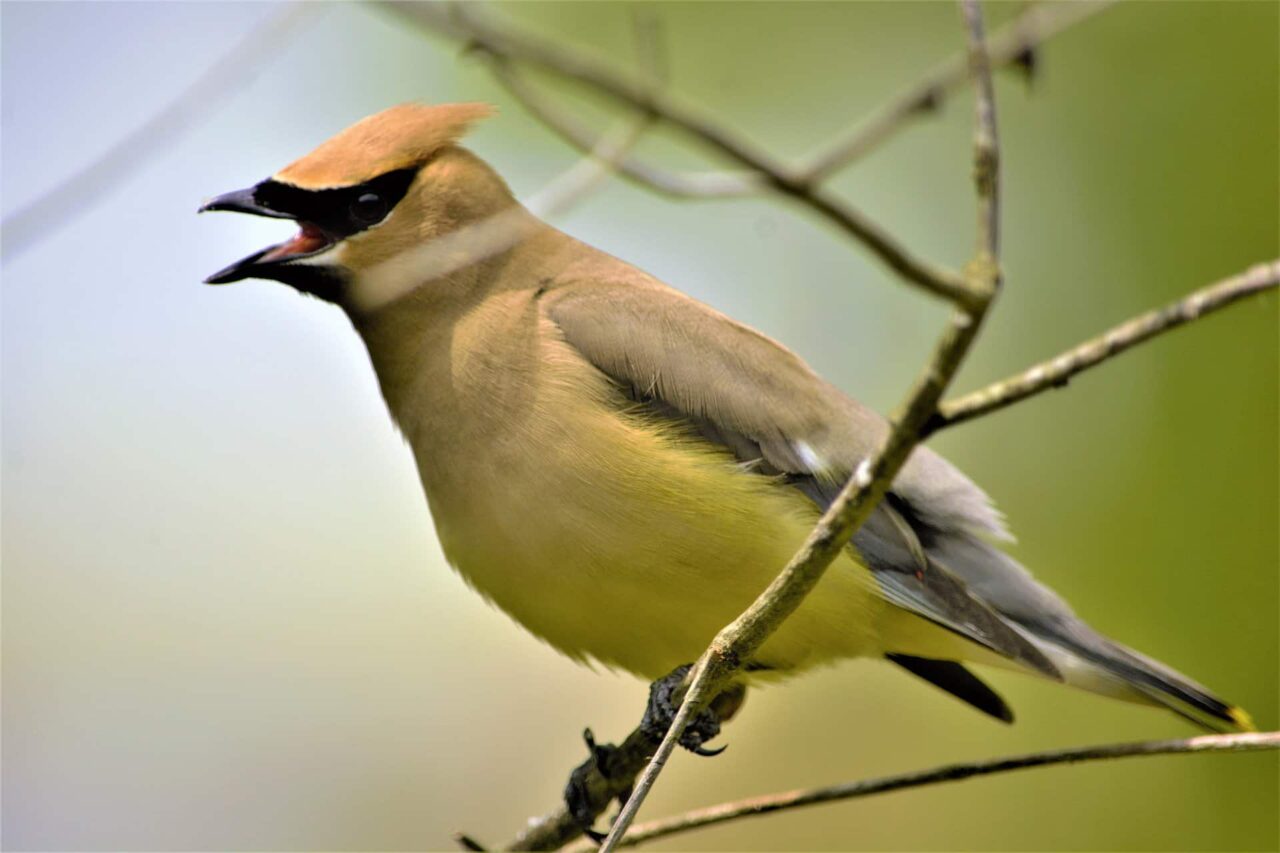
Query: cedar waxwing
[[621, 468]]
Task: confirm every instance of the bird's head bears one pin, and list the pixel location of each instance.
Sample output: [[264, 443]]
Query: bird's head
[[384, 185]]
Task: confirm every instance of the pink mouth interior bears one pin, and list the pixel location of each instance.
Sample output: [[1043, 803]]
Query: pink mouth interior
[[309, 239]]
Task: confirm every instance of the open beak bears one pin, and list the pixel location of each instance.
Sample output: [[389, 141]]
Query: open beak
[[310, 239]]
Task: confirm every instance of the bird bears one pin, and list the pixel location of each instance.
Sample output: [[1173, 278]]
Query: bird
[[622, 469]]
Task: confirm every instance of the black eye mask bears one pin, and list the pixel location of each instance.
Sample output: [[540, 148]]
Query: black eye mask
[[337, 212], [324, 217]]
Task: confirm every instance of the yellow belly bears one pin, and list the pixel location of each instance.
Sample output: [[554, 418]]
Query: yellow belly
[[614, 539]]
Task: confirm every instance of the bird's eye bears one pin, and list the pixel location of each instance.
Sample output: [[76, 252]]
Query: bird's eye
[[368, 209]]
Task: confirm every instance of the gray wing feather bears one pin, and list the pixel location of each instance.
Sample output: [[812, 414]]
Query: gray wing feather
[[683, 362], [1009, 588], [744, 392]]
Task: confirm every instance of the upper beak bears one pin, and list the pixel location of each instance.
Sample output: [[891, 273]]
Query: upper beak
[[241, 201], [309, 241]]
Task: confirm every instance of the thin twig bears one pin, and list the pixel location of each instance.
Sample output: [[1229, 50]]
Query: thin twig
[[1057, 371], [1009, 45], [736, 643], [986, 149], [1014, 41], [681, 185], [704, 184], [724, 812], [580, 180], [78, 192], [489, 38]]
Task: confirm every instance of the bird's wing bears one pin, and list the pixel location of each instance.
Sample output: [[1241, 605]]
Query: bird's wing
[[743, 391]]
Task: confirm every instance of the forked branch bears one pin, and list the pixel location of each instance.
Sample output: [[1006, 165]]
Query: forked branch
[[1057, 371], [460, 21], [1015, 43]]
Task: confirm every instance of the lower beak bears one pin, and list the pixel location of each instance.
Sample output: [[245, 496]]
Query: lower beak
[[310, 240], [241, 269]]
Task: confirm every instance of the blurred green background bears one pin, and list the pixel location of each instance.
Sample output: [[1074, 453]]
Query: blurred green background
[[227, 623]]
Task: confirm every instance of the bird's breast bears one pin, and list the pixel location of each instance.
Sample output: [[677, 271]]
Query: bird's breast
[[610, 536]]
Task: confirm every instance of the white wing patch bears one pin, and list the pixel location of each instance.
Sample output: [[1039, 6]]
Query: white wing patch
[[812, 461]]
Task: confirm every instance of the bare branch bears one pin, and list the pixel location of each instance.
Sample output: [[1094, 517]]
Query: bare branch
[[736, 643], [460, 22], [1014, 41], [79, 192], [618, 158], [587, 174], [1057, 371], [986, 148], [785, 800], [666, 181]]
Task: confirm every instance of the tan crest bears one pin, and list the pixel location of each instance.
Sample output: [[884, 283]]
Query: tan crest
[[396, 138]]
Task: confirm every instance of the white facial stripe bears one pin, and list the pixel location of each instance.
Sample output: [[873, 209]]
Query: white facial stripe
[[326, 258]]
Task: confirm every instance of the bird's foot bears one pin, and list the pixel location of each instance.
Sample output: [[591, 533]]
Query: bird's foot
[[578, 792], [664, 702], [608, 772]]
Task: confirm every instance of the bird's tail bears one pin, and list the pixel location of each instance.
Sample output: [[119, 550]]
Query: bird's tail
[[1092, 662], [1085, 658]]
